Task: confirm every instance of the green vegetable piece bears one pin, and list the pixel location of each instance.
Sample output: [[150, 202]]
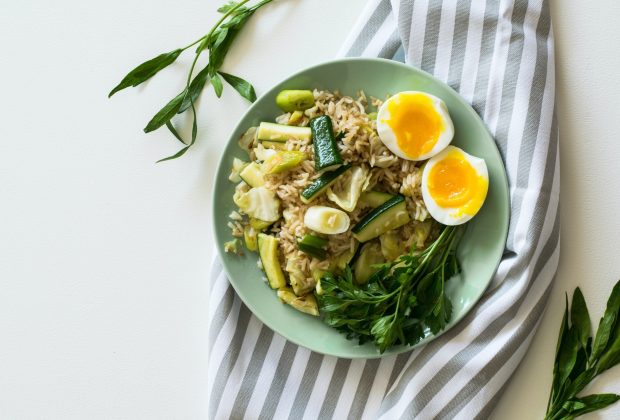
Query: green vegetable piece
[[250, 238], [283, 161], [295, 117], [314, 241], [369, 256], [312, 251], [326, 154], [268, 251], [259, 225], [374, 198], [372, 116], [280, 132], [252, 175], [320, 185], [390, 245], [295, 100], [390, 215], [306, 304]]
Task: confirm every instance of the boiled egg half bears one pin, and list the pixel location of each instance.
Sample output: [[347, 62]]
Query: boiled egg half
[[414, 125], [454, 186]]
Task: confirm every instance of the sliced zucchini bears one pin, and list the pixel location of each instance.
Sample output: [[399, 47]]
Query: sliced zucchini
[[259, 225], [390, 215], [319, 253], [314, 241], [321, 184], [282, 161], [326, 154], [278, 145], [295, 100], [281, 133], [340, 262], [250, 237], [374, 198], [237, 167], [268, 251], [390, 245], [306, 303], [313, 246], [252, 175], [369, 255]]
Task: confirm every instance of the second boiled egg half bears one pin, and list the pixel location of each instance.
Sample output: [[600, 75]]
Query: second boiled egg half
[[414, 125]]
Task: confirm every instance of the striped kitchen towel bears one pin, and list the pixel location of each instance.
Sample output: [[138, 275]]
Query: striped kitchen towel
[[499, 55]]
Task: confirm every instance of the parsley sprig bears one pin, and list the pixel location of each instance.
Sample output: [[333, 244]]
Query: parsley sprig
[[217, 42], [400, 302], [579, 358]]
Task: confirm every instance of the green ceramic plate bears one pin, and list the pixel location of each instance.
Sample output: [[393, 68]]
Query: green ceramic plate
[[480, 250]]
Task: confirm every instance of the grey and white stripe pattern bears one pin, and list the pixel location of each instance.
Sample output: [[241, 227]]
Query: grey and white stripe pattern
[[498, 54]]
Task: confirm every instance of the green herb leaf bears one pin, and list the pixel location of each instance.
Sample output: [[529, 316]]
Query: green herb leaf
[[195, 88], [573, 369], [166, 113], [606, 324], [244, 88], [582, 405], [217, 84], [174, 132], [146, 70], [227, 7], [186, 148], [580, 318], [399, 301]]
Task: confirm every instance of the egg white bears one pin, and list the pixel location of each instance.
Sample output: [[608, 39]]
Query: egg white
[[388, 137], [450, 215]]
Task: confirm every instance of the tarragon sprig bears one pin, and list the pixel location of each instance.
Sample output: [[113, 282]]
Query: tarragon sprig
[[579, 358], [217, 42]]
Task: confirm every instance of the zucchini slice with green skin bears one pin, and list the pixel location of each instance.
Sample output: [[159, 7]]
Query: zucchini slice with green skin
[[319, 253], [295, 100], [281, 133], [390, 215], [326, 154], [374, 198], [252, 175], [313, 246], [314, 241], [319, 185], [268, 251], [370, 255]]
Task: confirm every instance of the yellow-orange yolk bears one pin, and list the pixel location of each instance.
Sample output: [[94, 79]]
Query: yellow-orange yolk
[[415, 123], [454, 183]]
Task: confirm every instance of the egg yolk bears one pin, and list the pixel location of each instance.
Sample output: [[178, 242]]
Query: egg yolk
[[415, 123], [454, 183]]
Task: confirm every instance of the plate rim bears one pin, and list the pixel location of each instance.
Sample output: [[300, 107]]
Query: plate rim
[[505, 198]]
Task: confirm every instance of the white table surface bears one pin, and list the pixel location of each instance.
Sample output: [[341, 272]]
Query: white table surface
[[104, 255]]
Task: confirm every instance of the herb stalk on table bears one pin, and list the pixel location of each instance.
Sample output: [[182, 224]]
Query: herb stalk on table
[[579, 358], [400, 300], [217, 42]]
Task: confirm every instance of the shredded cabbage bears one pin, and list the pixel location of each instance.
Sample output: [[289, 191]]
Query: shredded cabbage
[[259, 203]]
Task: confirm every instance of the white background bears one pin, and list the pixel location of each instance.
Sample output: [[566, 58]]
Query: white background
[[104, 255]]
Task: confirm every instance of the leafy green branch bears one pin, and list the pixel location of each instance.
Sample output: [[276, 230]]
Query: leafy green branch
[[217, 42], [579, 358]]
